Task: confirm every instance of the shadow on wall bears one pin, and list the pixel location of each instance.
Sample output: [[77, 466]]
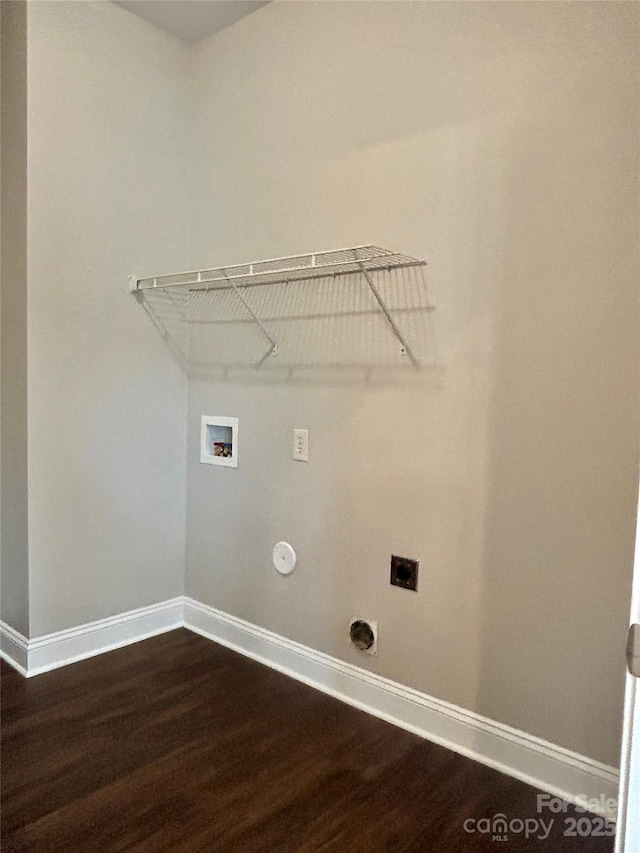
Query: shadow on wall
[[325, 329]]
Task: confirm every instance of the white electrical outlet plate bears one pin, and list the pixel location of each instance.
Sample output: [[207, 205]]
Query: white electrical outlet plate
[[301, 445]]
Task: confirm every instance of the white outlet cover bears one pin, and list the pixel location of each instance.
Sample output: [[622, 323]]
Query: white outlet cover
[[284, 558], [301, 445]]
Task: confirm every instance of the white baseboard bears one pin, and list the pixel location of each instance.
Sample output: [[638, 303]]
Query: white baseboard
[[32, 657], [13, 648], [544, 765]]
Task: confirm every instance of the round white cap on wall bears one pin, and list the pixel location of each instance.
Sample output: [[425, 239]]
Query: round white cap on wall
[[284, 558]]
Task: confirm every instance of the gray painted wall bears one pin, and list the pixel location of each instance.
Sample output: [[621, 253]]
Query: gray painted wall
[[14, 550], [499, 141], [109, 103]]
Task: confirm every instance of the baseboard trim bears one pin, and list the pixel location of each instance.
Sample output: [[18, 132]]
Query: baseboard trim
[[544, 765], [33, 657], [13, 648]]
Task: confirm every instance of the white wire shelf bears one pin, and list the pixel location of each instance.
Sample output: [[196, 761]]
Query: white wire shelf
[[277, 270], [195, 295]]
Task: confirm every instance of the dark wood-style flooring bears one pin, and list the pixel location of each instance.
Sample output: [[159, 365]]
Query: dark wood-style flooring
[[178, 744]]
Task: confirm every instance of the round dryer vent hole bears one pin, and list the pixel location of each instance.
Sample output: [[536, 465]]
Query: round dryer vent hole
[[363, 634]]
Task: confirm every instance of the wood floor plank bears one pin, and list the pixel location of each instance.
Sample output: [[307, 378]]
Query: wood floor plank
[[178, 744]]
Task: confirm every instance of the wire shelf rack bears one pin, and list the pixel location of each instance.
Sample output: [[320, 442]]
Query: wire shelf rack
[[363, 283], [278, 270]]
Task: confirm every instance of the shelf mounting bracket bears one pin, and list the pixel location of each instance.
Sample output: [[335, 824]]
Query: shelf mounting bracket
[[274, 345], [405, 349]]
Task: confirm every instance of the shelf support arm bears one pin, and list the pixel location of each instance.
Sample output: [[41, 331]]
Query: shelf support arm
[[405, 348], [256, 320]]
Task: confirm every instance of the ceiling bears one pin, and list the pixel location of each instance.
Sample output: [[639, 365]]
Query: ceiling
[[191, 20]]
